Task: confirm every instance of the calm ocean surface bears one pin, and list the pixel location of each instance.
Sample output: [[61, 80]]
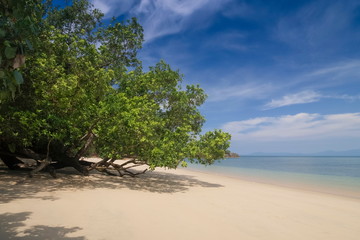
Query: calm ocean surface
[[327, 174]]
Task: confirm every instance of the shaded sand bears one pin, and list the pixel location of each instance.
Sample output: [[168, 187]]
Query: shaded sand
[[168, 205]]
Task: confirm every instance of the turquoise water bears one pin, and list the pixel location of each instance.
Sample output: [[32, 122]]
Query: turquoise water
[[337, 175]]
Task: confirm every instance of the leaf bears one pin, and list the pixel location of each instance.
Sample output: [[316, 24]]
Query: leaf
[[2, 33], [18, 77], [10, 52], [32, 28], [7, 43], [12, 147], [28, 43], [12, 89], [4, 82], [184, 164], [3, 95]]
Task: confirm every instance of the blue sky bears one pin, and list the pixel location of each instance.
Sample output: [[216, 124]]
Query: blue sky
[[281, 76]]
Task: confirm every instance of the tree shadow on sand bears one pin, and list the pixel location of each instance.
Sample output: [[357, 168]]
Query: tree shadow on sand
[[11, 222], [16, 185]]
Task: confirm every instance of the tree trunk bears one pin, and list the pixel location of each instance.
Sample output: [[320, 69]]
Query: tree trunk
[[11, 161], [65, 161]]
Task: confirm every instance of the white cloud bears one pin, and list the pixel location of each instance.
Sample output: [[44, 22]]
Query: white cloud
[[297, 98], [332, 75], [339, 70], [184, 7], [104, 8], [113, 8], [163, 17], [245, 91], [301, 126], [307, 96], [345, 97]]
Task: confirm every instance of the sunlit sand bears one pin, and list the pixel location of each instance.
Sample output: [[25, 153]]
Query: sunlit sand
[[168, 204]]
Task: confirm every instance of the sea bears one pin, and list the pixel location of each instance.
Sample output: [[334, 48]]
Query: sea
[[330, 175]]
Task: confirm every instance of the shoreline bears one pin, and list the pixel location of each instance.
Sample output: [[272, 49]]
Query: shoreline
[[176, 204], [323, 188]]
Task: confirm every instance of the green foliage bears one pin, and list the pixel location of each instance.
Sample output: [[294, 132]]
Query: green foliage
[[68, 92], [210, 146], [19, 28], [120, 42], [152, 118], [78, 19]]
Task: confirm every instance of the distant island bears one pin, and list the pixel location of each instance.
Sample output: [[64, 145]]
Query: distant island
[[229, 154]]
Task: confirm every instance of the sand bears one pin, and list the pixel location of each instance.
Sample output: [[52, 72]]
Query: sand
[[169, 204]]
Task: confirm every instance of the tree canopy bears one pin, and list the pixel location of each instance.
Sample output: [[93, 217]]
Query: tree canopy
[[83, 87]]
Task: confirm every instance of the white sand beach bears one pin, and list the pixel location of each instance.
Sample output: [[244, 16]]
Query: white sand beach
[[169, 204]]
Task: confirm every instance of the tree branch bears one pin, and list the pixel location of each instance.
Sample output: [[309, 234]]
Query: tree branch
[[89, 138], [44, 163]]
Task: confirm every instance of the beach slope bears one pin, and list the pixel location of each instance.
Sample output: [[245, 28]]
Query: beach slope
[[169, 204]]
